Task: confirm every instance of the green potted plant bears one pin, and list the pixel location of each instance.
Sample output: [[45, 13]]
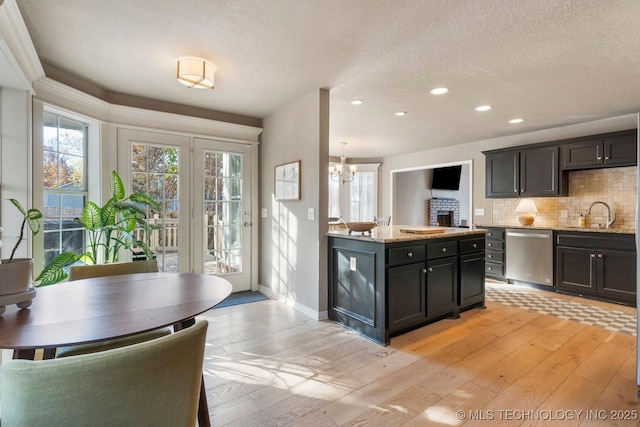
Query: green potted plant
[[109, 230], [15, 273]]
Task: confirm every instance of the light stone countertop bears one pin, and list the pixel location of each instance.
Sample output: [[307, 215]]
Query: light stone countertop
[[612, 230], [392, 234]]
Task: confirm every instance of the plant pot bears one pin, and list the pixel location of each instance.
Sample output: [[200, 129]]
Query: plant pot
[[15, 276]]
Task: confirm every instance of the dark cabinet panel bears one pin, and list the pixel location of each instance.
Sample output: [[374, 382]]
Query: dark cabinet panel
[[442, 281], [503, 174], [617, 274], [598, 266], [529, 172], [406, 297], [495, 253], [539, 172], [619, 149], [471, 280]]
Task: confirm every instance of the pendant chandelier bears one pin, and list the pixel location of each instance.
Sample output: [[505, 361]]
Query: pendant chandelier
[[342, 172]]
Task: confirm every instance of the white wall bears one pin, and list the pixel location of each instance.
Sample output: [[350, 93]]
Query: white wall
[[293, 260], [412, 190]]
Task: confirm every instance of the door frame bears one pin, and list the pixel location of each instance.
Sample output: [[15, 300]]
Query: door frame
[[172, 136]]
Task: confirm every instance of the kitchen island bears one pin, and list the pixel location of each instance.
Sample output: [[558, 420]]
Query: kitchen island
[[399, 278]]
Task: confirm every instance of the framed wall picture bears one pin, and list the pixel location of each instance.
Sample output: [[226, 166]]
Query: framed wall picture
[[287, 181]]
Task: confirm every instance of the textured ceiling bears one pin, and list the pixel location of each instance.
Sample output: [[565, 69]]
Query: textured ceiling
[[551, 62]]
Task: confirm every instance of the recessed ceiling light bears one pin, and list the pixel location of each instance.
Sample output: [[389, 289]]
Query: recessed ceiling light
[[401, 113], [483, 108], [439, 91], [516, 121], [356, 102]]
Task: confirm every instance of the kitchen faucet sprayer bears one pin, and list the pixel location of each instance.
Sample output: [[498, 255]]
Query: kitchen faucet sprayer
[[610, 220]]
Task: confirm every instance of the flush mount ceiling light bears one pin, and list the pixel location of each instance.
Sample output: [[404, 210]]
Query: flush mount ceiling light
[[356, 102], [401, 113], [439, 91], [516, 121], [342, 173], [483, 108], [196, 72]]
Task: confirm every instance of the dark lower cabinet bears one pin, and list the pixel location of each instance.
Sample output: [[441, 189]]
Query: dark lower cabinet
[[406, 299], [442, 283], [602, 267], [471, 289]]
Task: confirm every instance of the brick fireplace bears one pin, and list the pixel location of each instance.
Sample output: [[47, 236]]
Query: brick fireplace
[[444, 212]]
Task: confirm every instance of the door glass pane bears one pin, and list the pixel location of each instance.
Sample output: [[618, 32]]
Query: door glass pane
[[154, 172], [223, 215]]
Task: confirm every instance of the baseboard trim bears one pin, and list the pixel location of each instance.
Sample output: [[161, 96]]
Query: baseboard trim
[[316, 315]]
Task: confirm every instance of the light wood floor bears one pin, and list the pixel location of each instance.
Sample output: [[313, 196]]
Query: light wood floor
[[268, 365]]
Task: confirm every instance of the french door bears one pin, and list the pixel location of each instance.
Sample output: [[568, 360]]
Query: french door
[[203, 187]]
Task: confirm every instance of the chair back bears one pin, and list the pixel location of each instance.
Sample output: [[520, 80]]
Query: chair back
[[154, 383], [382, 220], [77, 272]]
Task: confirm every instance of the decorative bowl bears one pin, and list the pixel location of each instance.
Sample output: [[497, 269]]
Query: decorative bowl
[[361, 227]]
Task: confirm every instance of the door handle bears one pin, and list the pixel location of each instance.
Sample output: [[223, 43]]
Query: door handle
[[247, 224]]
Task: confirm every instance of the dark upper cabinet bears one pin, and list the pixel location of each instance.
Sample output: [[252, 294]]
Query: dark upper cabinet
[[619, 149], [526, 172]]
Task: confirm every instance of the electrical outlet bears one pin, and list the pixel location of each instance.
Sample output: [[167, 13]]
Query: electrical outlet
[[263, 212], [311, 214], [479, 212]]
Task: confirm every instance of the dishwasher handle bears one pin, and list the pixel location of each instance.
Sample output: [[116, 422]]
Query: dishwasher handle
[[530, 235]]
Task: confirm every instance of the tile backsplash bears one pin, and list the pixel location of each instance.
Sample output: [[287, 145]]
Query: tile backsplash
[[617, 187]]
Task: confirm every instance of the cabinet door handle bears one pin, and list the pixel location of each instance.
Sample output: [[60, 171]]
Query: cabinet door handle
[[410, 254], [444, 250], [593, 255], [598, 156], [430, 268], [489, 234], [490, 256], [475, 245], [599, 255], [489, 268], [606, 157], [489, 244], [424, 270]]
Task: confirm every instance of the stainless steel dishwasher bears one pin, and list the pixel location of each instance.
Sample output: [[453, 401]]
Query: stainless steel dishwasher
[[529, 256]]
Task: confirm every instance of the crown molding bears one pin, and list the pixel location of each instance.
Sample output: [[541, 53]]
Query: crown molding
[[61, 95], [16, 36]]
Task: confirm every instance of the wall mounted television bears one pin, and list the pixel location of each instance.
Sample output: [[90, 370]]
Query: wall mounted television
[[446, 178]]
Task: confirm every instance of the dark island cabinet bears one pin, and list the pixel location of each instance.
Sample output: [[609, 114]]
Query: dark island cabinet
[[602, 266], [406, 296], [619, 149], [471, 273], [383, 289], [442, 278], [525, 172]]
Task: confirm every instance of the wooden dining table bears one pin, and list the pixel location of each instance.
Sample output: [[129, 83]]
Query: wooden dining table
[[103, 308]]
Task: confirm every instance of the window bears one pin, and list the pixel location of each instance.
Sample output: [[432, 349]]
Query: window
[[356, 200], [363, 197], [65, 186]]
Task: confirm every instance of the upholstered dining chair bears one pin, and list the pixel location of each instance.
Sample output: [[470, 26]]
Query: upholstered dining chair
[[78, 272], [154, 383]]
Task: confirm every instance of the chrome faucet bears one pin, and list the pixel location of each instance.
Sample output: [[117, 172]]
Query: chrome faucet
[[610, 220]]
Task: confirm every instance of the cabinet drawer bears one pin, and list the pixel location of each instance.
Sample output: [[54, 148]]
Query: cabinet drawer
[[495, 233], [471, 245], [494, 269], [495, 256], [406, 254], [442, 249], [494, 245]]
